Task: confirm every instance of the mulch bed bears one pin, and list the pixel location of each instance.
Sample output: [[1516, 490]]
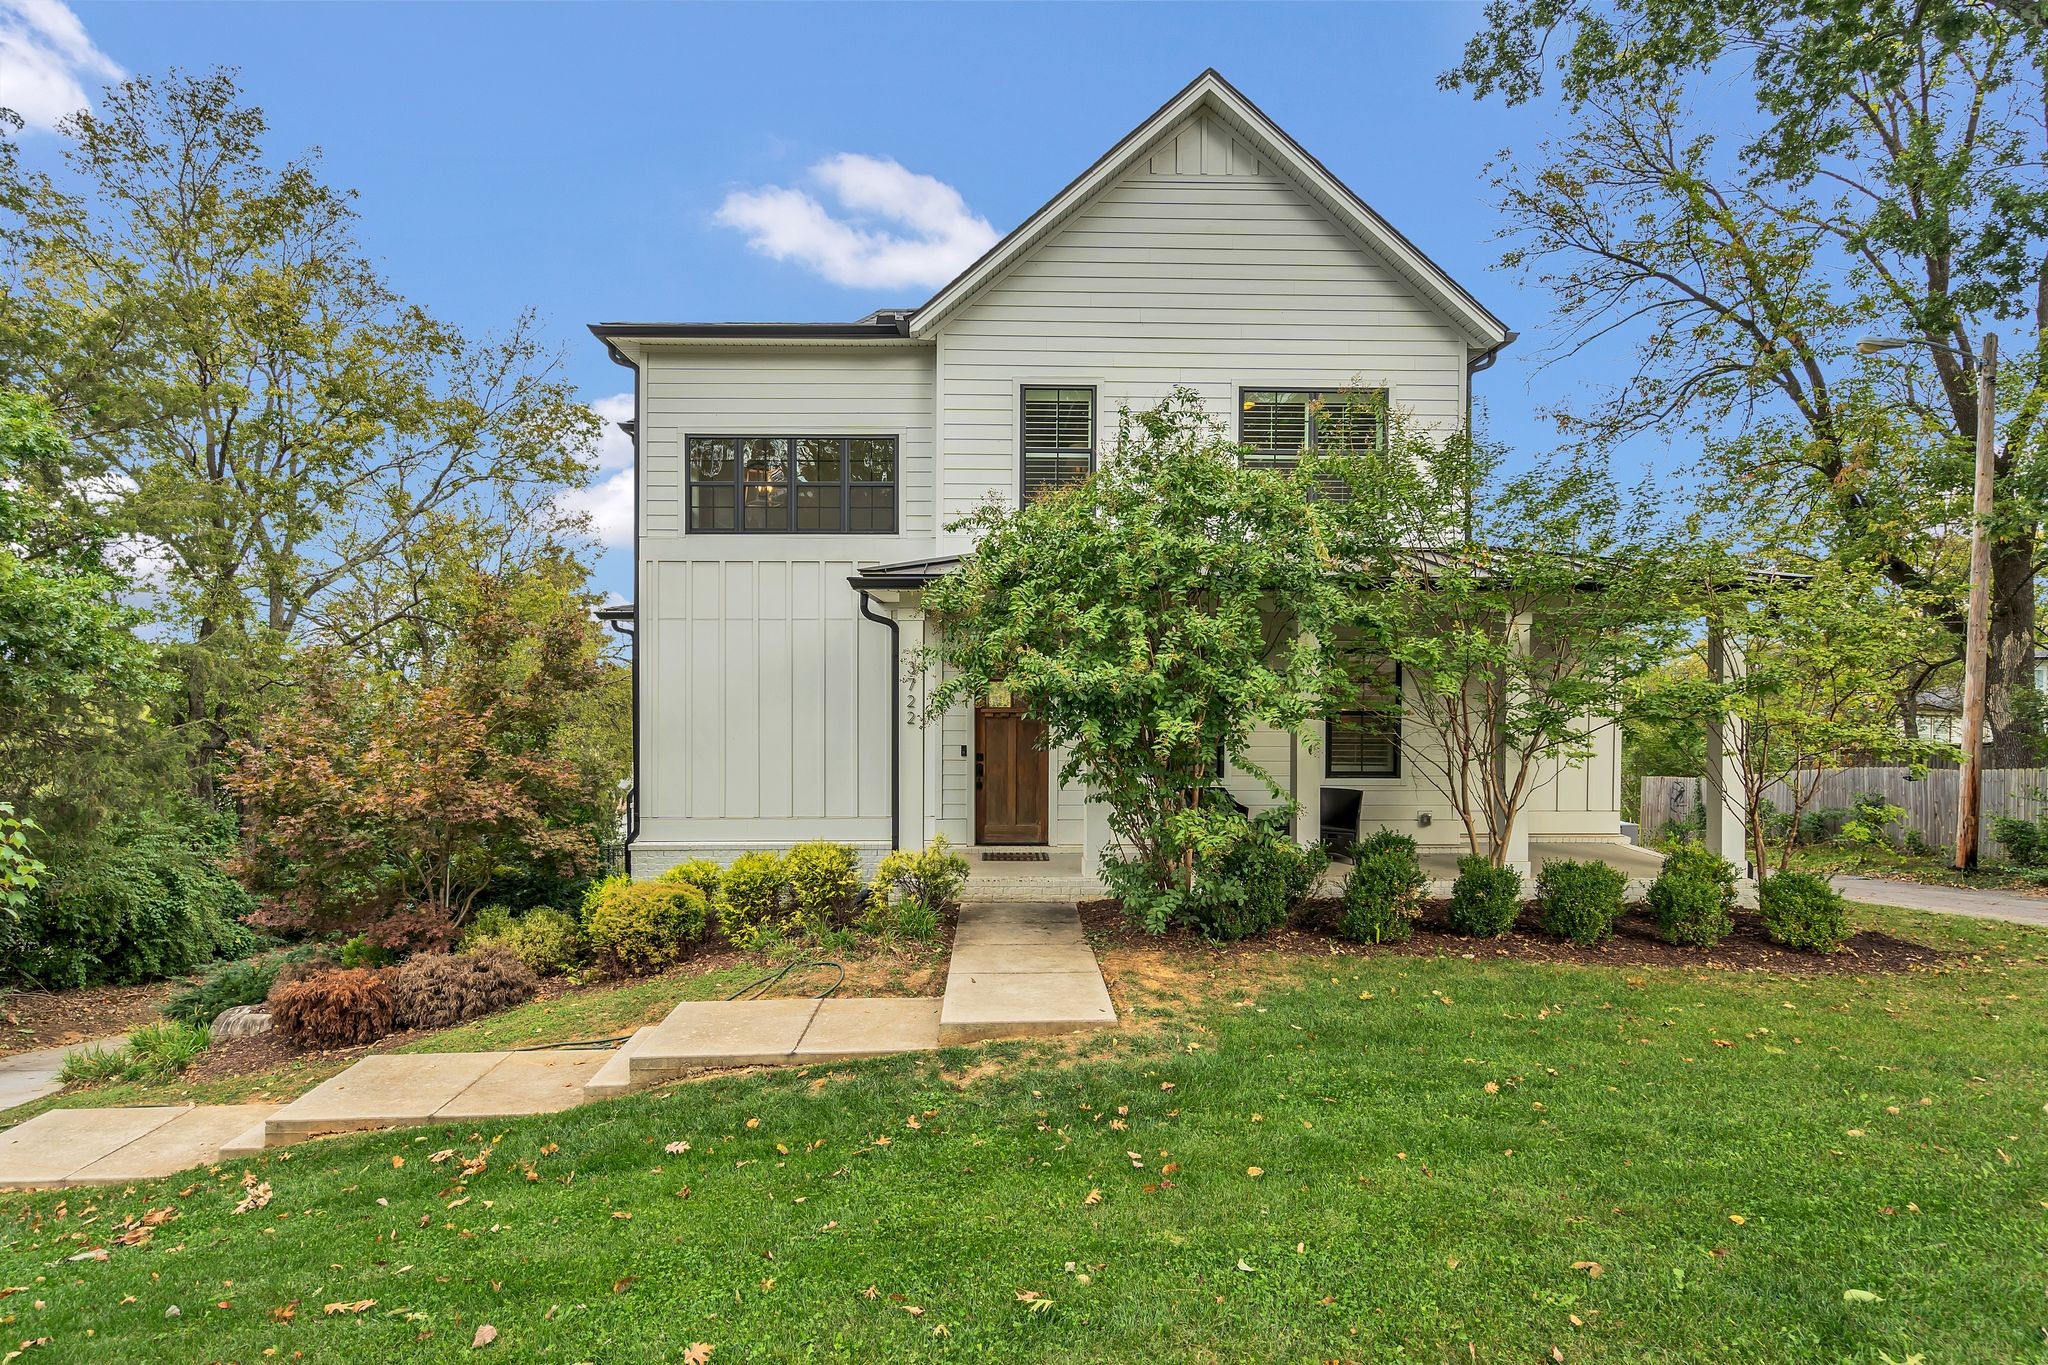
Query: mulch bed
[[1635, 944], [36, 1019]]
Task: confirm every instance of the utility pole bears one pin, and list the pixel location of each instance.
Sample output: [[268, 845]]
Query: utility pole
[[1977, 640]]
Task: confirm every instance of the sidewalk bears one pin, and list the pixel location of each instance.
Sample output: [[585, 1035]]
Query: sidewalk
[[31, 1075], [1945, 900]]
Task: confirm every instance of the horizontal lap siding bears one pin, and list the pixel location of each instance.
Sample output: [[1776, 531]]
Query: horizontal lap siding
[[765, 713], [1216, 282]]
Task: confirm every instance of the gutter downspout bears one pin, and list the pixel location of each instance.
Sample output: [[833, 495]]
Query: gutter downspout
[[633, 807], [867, 609], [1476, 365]]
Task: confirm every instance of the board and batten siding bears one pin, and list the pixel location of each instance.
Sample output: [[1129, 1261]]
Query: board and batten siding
[[765, 695], [1202, 266]]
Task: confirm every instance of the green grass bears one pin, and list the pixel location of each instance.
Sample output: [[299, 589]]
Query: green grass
[[1932, 868], [1440, 1142]]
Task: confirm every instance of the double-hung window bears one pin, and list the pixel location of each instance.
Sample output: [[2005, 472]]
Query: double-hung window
[[1364, 739], [812, 485], [1276, 425], [1058, 438]]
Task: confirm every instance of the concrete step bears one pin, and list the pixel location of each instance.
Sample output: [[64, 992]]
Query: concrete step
[[707, 1033], [1021, 971], [615, 1077]]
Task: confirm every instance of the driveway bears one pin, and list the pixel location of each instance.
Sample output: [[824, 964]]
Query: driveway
[[1945, 900]]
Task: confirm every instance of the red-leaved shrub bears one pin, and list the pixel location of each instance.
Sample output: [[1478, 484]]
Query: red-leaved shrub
[[435, 990], [333, 1009]]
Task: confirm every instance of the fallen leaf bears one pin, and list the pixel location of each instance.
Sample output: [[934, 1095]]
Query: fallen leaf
[[1593, 1269], [697, 1353], [359, 1306], [1254, 1171], [621, 1285], [396, 1162], [1094, 1198], [286, 1312], [485, 1335], [1245, 1266], [1737, 1219], [1859, 1296], [676, 1148]]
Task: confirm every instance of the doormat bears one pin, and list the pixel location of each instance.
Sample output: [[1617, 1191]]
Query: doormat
[[1022, 855]]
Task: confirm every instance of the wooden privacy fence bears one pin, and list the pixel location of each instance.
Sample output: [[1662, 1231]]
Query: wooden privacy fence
[[1929, 802]]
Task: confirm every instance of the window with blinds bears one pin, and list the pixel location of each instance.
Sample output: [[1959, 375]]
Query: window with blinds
[[1058, 438], [818, 485], [1276, 425], [1365, 741]]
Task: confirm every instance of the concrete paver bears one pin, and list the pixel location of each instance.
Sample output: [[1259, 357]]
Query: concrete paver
[[615, 1076], [390, 1090], [699, 1033], [1945, 900], [53, 1144], [845, 1029], [1023, 1004], [27, 1076], [527, 1083], [978, 958], [979, 933], [193, 1138]]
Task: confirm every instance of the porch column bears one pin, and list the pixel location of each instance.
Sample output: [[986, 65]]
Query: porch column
[[1721, 791], [912, 755], [1516, 854]]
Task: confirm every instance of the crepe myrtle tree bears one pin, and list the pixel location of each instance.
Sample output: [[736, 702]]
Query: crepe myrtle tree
[[1150, 617], [1807, 683], [1518, 615]]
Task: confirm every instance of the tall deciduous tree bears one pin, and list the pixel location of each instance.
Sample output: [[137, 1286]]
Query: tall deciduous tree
[[1892, 185], [258, 410], [1518, 625], [1150, 617]]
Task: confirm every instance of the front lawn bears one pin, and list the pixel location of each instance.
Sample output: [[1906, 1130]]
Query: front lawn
[[1342, 1158]]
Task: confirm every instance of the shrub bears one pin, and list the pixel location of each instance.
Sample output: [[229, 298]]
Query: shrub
[[360, 952], [1871, 820], [547, 940], [1259, 876], [1579, 900], [247, 982], [137, 902], [1693, 898], [1801, 910], [932, 876], [701, 873], [435, 990], [824, 883], [1485, 900], [750, 898], [1383, 894], [337, 1008], [644, 926], [2026, 841]]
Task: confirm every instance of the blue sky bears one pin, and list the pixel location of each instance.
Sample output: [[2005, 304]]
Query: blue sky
[[599, 161]]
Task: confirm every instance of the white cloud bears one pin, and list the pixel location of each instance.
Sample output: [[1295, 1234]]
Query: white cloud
[[895, 227], [45, 59], [608, 503]]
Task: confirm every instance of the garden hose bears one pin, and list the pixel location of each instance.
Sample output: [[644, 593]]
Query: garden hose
[[762, 985]]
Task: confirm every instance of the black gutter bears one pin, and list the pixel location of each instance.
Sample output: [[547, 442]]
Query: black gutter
[[895, 720], [633, 808], [881, 330]]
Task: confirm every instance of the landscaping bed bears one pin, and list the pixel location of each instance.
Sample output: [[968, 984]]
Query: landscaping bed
[[1636, 943], [38, 1019]]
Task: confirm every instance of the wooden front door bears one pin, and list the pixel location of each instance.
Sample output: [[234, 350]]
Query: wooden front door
[[1010, 786]]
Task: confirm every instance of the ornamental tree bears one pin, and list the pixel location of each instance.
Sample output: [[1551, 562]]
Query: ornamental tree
[[1150, 617]]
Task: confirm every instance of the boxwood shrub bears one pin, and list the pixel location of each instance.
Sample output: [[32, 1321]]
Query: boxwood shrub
[[636, 927], [1485, 900], [1383, 894], [1801, 910], [1579, 900], [1693, 898]]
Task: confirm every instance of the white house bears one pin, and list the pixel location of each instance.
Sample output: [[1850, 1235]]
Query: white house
[[795, 481]]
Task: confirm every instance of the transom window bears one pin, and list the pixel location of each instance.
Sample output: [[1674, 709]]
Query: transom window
[[1059, 438], [1364, 740], [813, 485], [1276, 425]]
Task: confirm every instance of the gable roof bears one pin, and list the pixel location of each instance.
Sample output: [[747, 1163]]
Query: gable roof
[[1209, 90]]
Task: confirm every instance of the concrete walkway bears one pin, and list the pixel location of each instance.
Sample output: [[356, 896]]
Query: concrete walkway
[[1945, 900], [29, 1076], [1018, 970]]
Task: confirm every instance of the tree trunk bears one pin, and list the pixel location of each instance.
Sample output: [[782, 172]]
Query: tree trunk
[[2014, 719]]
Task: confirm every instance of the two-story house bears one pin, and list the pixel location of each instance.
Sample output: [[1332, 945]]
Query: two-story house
[[796, 480]]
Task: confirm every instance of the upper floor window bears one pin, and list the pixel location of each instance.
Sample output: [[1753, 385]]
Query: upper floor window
[[1276, 425], [819, 485], [1059, 438]]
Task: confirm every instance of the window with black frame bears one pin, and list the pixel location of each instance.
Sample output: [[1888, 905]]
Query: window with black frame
[[1364, 739], [1058, 438], [803, 485], [1276, 425]]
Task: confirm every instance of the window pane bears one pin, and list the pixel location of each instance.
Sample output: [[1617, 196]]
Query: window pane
[[817, 509], [1045, 472], [817, 461], [1059, 419], [710, 459], [873, 461], [872, 510], [1362, 745], [766, 460], [1275, 423], [1348, 422], [711, 507]]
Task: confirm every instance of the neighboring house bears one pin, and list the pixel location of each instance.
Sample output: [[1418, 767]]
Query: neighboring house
[[796, 481]]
